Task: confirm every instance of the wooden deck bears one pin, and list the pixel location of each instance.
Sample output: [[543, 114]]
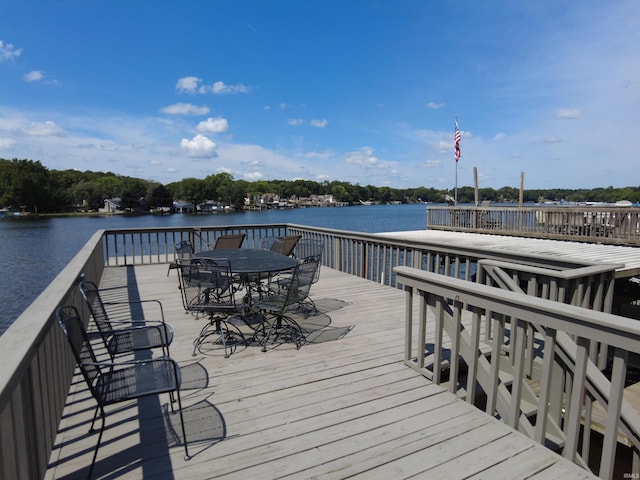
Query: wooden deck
[[591, 252], [342, 406]]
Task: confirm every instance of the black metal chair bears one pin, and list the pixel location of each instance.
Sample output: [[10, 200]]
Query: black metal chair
[[307, 250], [225, 242], [126, 335], [207, 286], [308, 247], [112, 383], [278, 324]]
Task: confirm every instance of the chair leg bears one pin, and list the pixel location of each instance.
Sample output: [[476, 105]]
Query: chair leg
[[95, 415], [95, 452], [217, 326], [283, 323], [184, 430]]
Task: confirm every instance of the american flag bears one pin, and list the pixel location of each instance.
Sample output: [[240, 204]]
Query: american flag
[[456, 146]]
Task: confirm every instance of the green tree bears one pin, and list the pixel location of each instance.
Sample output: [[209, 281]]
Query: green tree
[[129, 200], [25, 184], [191, 190], [159, 197], [87, 194]]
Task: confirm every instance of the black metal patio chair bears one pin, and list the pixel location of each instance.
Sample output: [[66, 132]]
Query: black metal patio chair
[[275, 306], [207, 286], [111, 383], [307, 250], [126, 335]]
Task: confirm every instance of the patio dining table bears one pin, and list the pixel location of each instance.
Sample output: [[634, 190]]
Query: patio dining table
[[251, 265], [251, 261]]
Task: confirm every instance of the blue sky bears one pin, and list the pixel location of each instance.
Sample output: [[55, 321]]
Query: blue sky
[[359, 91]]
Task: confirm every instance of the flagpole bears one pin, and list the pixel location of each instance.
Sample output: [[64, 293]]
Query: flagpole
[[456, 149]]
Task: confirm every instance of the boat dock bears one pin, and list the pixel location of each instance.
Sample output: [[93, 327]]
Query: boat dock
[[343, 406]]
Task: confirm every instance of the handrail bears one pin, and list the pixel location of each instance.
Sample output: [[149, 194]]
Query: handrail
[[37, 369], [596, 224], [366, 255], [458, 310]]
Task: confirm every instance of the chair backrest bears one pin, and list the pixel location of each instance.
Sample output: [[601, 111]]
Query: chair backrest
[[229, 241], [310, 250], [206, 285], [71, 324], [285, 245], [300, 284], [184, 249], [308, 247], [91, 294]]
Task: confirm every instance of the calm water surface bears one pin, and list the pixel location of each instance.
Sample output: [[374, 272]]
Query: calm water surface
[[33, 251]]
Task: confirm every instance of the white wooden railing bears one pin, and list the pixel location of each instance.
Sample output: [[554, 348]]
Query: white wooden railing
[[482, 341], [613, 224], [37, 368], [365, 255]]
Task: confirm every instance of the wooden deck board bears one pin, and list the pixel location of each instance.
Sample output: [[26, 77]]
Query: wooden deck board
[[333, 409]]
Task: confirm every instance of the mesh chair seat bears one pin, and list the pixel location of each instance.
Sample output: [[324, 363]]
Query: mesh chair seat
[[137, 379], [139, 338]]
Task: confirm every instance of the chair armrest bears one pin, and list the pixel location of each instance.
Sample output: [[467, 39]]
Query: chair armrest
[[139, 302], [149, 324], [126, 363]]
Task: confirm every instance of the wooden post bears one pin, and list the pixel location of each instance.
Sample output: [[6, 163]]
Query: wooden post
[[475, 183], [521, 201]]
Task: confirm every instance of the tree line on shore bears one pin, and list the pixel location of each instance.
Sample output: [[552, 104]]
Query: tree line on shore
[[29, 185]]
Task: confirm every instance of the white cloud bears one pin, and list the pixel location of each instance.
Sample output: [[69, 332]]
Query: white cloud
[[294, 122], [7, 143], [188, 84], [363, 157], [319, 123], [500, 136], [436, 106], [220, 88], [193, 85], [185, 109], [570, 113], [33, 76], [252, 176], [8, 51], [44, 129], [199, 147], [213, 125]]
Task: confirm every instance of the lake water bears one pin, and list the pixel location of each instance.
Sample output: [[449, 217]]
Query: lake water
[[34, 250]]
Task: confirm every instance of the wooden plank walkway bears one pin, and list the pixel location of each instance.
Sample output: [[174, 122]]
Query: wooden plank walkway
[[343, 406], [579, 251]]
